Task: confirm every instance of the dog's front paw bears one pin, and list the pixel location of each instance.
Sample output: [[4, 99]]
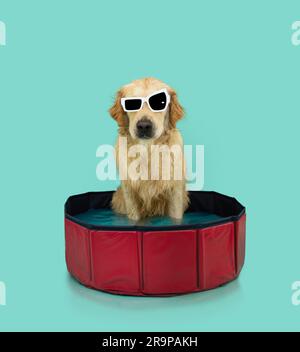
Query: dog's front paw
[[175, 214], [133, 216]]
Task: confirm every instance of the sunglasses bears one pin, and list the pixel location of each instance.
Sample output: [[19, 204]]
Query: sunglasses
[[157, 101]]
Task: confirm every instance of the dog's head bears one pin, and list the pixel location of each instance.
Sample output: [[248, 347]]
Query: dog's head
[[146, 108]]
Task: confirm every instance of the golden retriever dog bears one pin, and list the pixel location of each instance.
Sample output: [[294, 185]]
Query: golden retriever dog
[[146, 111]]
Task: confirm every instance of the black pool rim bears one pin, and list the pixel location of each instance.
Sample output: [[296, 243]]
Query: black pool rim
[[227, 207]]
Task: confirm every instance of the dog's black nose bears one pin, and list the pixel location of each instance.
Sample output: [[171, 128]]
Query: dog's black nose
[[144, 128]]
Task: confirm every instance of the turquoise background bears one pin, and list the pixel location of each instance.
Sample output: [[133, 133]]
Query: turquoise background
[[236, 73]]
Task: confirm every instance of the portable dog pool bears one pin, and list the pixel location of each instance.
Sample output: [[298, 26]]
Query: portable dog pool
[[156, 256]]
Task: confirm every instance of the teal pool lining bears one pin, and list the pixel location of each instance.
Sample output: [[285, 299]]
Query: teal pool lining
[[107, 218]]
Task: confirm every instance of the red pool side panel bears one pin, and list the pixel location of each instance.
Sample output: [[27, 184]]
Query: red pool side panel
[[240, 242], [170, 261], [115, 260], [216, 255], [78, 251]]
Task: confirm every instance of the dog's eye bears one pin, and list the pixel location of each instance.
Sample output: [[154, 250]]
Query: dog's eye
[[158, 101], [133, 104]]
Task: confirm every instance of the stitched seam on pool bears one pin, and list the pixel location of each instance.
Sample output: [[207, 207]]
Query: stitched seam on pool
[[235, 247], [197, 260], [138, 259], [90, 257], [141, 267]]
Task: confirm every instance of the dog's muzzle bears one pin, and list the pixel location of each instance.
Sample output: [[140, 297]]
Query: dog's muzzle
[[144, 128]]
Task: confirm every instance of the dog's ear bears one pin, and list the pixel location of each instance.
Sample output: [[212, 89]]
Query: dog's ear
[[176, 111], [117, 112]]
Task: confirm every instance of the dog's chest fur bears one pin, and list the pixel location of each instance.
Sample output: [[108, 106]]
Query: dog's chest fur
[[152, 193]]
